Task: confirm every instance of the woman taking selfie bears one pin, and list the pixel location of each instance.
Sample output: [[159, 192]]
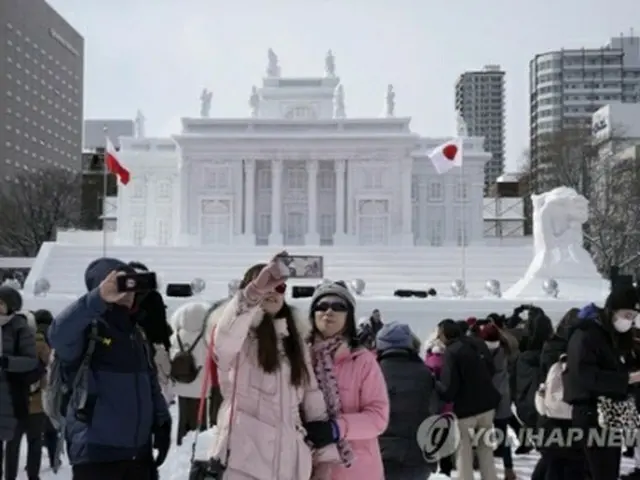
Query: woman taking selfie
[[263, 363], [352, 384]]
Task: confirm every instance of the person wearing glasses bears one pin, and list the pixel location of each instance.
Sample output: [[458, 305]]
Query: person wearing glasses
[[352, 383]]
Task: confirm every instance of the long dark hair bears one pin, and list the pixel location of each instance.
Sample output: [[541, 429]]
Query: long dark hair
[[268, 354], [568, 322], [538, 329]]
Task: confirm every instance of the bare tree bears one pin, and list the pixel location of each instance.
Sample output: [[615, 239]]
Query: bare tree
[[613, 236], [570, 158], [563, 158], [33, 206]]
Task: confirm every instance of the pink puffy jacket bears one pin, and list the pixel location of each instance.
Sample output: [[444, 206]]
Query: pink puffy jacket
[[434, 360], [267, 438], [365, 412]]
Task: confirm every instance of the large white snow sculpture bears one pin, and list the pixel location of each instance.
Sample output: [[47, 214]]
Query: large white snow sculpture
[[558, 251]]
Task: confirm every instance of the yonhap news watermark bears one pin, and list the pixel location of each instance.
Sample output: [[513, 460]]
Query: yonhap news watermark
[[439, 436]]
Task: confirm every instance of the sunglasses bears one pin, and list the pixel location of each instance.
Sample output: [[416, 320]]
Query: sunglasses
[[337, 307], [281, 289]]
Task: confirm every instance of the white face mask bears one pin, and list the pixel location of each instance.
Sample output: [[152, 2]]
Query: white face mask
[[622, 325], [493, 345]]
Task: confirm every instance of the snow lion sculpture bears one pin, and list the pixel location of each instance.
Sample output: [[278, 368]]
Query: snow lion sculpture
[[558, 251]]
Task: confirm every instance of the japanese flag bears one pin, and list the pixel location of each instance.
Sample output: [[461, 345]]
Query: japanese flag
[[446, 156]]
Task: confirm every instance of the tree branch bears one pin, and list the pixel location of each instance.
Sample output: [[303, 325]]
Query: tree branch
[[34, 205]]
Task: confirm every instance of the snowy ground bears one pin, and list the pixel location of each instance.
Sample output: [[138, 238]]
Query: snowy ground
[[177, 464]]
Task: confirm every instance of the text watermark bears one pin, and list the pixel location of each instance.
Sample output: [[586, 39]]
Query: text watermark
[[439, 436]]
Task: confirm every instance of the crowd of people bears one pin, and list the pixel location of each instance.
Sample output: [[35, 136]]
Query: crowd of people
[[315, 394]]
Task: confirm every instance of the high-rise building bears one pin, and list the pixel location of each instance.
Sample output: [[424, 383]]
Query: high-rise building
[[480, 102], [41, 89], [568, 86]]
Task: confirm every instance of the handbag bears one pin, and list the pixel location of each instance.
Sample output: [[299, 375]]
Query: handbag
[[618, 414], [212, 469]]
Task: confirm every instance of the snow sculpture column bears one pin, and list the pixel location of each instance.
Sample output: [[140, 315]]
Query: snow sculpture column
[[312, 237], [407, 212], [249, 201], [275, 237], [340, 236], [184, 221]]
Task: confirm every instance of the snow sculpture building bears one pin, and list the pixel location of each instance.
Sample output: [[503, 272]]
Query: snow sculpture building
[[296, 173]]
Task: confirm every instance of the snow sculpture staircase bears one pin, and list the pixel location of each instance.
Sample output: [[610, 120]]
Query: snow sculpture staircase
[[384, 269]]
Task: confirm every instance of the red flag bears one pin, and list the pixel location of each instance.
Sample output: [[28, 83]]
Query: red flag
[[113, 164]]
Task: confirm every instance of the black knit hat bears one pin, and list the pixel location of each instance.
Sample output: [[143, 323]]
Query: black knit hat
[[623, 298], [43, 317], [11, 298]]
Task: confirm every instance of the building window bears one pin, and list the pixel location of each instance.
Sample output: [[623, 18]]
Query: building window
[[436, 233], [264, 179], [139, 190], [327, 180], [263, 228], [164, 232], [164, 190], [138, 232], [415, 189], [296, 179], [373, 178], [461, 190], [327, 225], [462, 236], [436, 191], [216, 178]]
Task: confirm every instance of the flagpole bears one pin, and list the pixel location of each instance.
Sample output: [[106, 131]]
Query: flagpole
[[462, 134], [105, 177], [463, 228]]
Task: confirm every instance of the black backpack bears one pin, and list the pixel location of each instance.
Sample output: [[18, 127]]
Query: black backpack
[[184, 368], [23, 384]]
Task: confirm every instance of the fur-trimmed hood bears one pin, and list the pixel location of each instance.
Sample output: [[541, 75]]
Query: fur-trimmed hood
[[31, 319], [303, 324]]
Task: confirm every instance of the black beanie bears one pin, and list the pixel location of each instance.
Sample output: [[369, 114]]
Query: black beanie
[[624, 298], [43, 317], [11, 298]]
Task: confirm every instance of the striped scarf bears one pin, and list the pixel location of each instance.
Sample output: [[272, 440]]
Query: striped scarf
[[323, 354]]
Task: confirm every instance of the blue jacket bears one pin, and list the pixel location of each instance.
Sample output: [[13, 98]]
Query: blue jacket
[[124, 402]]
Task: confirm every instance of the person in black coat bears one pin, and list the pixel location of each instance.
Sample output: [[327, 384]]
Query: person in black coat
[[557, 461], [412, 399], [466, 381], [368, 330], [599, 365], [527, 375], [633, 451]]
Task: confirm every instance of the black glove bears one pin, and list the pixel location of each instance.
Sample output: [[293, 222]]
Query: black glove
[[162, 442], [4, 362], [322, 433]]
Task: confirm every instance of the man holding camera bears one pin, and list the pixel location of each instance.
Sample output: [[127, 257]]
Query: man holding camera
[[111, 433]]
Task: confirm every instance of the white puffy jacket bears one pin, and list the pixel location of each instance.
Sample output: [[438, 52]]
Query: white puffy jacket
[[188, 321]]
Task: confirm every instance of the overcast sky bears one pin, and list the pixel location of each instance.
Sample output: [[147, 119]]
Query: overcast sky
[[157, 55]]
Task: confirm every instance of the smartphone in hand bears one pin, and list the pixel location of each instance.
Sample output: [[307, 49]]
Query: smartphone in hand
[[137, 282], [303, 266]]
